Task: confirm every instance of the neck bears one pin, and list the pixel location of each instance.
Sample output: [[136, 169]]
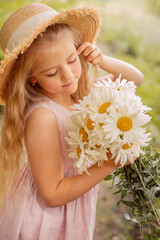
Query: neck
[[64, 100]]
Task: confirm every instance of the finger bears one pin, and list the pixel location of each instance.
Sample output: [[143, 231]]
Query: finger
[[82, 47], [96, 61], [93, 55], [89, 49]]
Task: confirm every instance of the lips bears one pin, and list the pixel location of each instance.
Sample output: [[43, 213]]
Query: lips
[[67, 85]]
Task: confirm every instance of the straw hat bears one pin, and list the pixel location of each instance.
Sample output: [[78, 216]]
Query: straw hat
[[24, 25]]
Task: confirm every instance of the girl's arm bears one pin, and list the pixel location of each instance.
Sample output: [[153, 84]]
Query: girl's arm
[[117, 67], [44, 153], [111, 65]]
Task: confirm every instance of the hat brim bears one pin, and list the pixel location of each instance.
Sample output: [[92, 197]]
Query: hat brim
[[86, 19]]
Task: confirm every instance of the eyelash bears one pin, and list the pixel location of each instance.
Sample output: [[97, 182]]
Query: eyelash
[[73, 61], [51, 75]]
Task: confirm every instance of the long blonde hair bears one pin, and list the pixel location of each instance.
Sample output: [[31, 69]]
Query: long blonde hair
[[20, 95]]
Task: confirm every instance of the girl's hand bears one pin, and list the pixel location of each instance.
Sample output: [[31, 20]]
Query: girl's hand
[[111, 161], [91, 52]]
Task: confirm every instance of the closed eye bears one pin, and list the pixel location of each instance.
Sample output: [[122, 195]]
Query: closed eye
[[72, 61], [51, 75]]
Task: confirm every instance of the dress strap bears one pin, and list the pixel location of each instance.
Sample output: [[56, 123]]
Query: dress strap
[[62, 114], [44, 103]]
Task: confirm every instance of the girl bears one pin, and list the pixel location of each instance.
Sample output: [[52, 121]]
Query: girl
[[45, 70]]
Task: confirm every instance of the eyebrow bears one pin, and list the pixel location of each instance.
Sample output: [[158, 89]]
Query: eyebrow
[[55, 66]]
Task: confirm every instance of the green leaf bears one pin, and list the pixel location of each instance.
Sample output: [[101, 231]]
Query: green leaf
[[118, 203], [137, 211], [128, 203], [141, 180], [148, 236], [122, 177], [134, 175], [117, 192], [156, 155], [149, 216], [133, 167], [137, 185], [158, 202], [109, 177], [147, 179], [123, 194], [155, 178], [118, 171]]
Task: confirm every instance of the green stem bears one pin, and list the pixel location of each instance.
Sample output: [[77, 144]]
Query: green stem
[[128, 179], [150, 228], [141, 229], [149, 172], [158, 220], [113, 181]]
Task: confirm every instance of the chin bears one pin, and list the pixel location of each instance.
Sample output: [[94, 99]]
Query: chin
[[74, 87]]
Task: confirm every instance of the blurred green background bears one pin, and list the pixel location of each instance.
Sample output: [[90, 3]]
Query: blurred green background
[[131, 32]]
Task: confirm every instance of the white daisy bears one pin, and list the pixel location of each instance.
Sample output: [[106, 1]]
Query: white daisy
[[131, 97], [140, 105], [85, 103], [82, 162], [118, 85], [89, 156], [110, 117], [77, 136], [84, 145], [124, 151], [100, 107], [125, 123]]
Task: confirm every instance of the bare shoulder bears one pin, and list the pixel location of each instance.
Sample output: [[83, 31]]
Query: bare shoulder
[[41, 126], [40, 116]]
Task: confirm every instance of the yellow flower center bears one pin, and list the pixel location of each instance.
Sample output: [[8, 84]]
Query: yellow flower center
[[124, 124], [102, 124], [127, 146], [87, 105], [90, 124], [97, 146], [84, 135], [79, 152], [103, 107]]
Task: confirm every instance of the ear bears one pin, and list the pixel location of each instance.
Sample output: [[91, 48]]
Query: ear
[[32, 80]]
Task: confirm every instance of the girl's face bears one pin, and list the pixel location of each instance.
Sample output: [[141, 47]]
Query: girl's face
[[58, 66]]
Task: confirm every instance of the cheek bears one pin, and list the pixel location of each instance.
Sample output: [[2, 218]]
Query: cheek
[[48, 84], [79, 68]]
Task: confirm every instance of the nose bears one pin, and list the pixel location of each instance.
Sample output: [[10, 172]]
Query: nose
[[67, 74]]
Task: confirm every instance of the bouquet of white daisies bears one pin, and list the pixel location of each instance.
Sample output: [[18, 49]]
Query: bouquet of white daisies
[[110, 118]]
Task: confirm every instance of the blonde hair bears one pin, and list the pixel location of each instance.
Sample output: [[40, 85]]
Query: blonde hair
[[20, 95]]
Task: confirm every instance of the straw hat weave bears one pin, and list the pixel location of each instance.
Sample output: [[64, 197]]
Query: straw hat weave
[[24, 25]]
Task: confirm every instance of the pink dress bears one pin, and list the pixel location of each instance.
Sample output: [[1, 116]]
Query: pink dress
[[32, 219]]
